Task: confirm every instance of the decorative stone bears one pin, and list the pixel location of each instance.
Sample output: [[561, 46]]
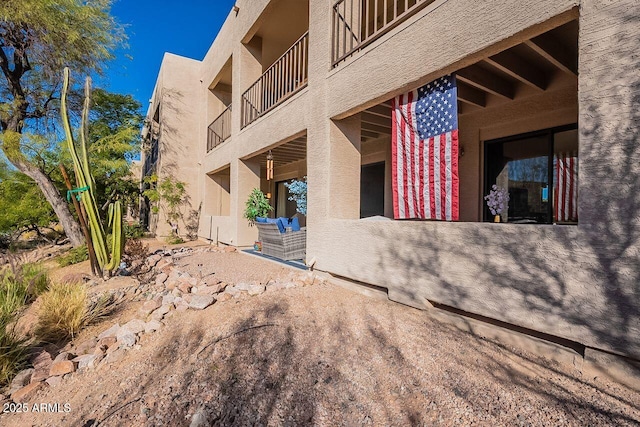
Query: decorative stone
[[107, 341], [65, 355], [184, 287], [161, 278], [26, 392], [149, 306], [224, 296], [21, 379], [200, 302], [53, 381], [127, 338], [152, 326], [168, 299], [134, 326], [85, 360], [111, 332], [62, 367]]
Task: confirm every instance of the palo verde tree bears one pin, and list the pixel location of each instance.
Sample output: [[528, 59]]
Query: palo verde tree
[[38, 38]]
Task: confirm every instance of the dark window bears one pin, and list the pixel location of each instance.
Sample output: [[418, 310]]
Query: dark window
[[372, 190], [540, 171], [284, 206]]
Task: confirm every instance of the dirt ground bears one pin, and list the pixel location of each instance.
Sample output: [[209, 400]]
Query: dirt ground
[[323, 355]]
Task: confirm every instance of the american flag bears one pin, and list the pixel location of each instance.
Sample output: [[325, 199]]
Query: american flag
[[566, 187], [425, 152]]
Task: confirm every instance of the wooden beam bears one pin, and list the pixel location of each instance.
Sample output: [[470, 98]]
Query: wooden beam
[[480, 78], [375, 120], [369, 134], [377, 128], [471, 95], [380, 110], [518, 68], [553, 51]]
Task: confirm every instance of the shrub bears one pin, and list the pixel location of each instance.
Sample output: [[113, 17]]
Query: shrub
[[74, 256], [257, 205], [174, 239], [62, 310], [134, 231], [13, 349], [36, 278], [65, 309]]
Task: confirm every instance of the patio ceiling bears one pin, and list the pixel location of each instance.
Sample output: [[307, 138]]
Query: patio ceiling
[[520, 71], [286, 153]]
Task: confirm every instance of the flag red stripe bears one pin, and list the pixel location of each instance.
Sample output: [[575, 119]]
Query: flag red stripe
[[432, 193], [455, 180], [394, 156], [443, 176]]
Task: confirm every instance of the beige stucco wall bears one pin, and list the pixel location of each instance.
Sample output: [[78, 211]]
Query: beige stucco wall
[[577, 282]]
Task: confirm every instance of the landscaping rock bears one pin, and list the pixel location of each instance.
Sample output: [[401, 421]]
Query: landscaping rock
[[224, 296], [152, 326], [185, 287], [168, 299], [111, 332], [86, 346], [21, 379], [53, 381], [61, 367], [107, 342], [277, 286], [153, 260], [200, 302], [161, 278], [134, 326], [42, 364], [26, 392], [164, 263], [126, 338], [199, 419], [149, 306], [65, 355]]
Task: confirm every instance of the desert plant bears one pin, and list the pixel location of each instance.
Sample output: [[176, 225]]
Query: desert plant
[[168, 195], [13, 348], [74, 256], [62, 311], [134, 231], [86, 187], [257, 205], [65, 309]]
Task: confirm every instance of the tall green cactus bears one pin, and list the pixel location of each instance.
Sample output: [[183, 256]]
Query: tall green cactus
[[106, 261]]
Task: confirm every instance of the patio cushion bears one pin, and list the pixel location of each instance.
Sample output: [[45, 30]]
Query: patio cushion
[[294, 223], [278, 222], [261, 219]]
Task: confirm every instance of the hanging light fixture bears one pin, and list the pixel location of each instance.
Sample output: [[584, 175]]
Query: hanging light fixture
[[269, 166]]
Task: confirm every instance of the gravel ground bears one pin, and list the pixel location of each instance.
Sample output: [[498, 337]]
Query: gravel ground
[[323, 355]]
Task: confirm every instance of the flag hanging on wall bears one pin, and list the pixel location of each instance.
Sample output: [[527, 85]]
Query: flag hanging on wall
[[566, 187], [425, 152]]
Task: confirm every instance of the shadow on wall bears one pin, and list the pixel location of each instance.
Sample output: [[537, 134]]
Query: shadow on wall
[[587, 275], [173, 151]]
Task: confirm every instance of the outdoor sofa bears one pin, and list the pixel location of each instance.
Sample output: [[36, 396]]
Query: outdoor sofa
[[280, 241]]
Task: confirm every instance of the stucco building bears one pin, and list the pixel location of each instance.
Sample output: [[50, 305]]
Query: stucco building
[[311, 81]]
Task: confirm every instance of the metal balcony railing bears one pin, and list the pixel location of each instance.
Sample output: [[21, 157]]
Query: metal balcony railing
[[281, 80], [219, 130], [356, 23]]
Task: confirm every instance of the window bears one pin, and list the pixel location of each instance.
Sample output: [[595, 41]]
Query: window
[[540, 171], [372, 190]]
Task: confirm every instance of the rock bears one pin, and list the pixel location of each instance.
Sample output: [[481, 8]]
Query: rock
[[224, 296], [134, 326], [26, 392], [86, 361], [168, 299], [149, 306], [199, 419], [42, 358], [114, 357], [176, 292], [256, 290], [229, 249], [65, 355], [308, 279], [86, 346], [152, 326], [53, 381], [107, 342], [185, 287], [186, 298], [42, 364], [21, 379], [153, 260], [126, 338], [277, 286], [164, 263], [161, 278], [194, 290], [207, 290], [182, 306], [200, 302], [111, 332], [62, 367]]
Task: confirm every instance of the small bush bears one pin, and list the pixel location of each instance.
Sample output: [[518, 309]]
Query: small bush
[[65, 309], [74, 256], [13, 349], [174, 240], [36, 278], [62, 311], [134, 231]]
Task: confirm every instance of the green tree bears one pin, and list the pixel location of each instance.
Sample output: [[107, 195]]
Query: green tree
[[38, 38], [21, 203]]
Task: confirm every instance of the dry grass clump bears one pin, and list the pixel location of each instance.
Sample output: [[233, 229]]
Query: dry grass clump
[[65, 309]]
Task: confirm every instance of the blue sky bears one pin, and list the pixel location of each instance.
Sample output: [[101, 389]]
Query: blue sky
[[183, 27]]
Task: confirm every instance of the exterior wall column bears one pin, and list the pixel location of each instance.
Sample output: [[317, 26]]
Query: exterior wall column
[[245, 176], [344, 168]]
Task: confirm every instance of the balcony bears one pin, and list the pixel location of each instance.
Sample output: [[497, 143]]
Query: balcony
[[279, 82], [357, 23], [219, 130]]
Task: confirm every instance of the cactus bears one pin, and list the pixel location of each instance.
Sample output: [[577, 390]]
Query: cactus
[[86, 186]]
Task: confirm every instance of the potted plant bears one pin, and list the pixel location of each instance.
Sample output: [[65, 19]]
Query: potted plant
[[497, 201], [257, 205]]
